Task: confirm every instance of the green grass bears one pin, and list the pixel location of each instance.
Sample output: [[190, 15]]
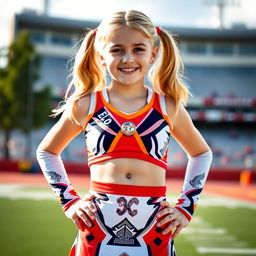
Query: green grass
[[39, 228], [36, 228], [239, 223]]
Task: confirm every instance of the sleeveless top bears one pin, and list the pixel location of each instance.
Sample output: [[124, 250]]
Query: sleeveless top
[[111, 133]]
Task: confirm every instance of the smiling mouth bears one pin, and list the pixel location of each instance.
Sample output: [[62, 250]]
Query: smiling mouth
[[128, 70]]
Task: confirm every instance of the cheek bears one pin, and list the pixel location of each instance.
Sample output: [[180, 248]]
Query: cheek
[[145, 58], [111, 65], [146, 61]]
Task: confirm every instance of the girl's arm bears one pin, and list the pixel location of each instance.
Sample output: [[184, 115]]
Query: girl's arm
[[199, 160], [186, 134], [49, 159], [48, 155]]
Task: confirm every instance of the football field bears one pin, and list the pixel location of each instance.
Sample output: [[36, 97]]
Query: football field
[[32, 223]]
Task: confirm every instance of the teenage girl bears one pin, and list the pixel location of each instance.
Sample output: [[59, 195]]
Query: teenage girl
[[127, 126]]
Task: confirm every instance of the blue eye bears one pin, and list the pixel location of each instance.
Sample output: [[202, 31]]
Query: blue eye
[[138, 49], [116, 50]]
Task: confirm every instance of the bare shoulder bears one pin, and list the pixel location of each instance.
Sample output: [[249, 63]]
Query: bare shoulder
[[80, 110]]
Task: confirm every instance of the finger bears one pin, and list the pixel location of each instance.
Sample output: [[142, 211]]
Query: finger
[[170, 227], [78, 223], [89, 197], [165, 211], [176, 232], [92, 208], [83, 216], [165, 203], [167, 230], [164, 220], [89, 208], [93, 194]]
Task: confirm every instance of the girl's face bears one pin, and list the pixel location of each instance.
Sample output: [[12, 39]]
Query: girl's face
[[128, 55]]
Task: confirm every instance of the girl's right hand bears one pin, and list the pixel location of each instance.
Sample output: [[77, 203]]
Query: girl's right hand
[[82, 212]]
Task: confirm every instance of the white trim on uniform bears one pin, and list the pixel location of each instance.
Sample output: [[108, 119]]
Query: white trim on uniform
[[162, 104], [92, 103], [150, 93], [105, 94]]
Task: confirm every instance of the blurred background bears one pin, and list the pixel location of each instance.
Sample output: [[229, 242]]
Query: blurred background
[[217, 40]]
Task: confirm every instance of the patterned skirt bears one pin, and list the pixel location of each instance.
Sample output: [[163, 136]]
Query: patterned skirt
[[125, 223]]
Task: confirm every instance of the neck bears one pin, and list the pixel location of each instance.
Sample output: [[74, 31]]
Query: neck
[[128, 91]]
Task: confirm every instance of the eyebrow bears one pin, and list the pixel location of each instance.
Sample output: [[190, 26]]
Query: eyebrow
[[120, 45]]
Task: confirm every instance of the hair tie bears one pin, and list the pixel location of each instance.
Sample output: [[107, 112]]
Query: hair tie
[[95, 31], [158, 30]]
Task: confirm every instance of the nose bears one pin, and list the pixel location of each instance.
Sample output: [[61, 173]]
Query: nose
[[127, 58]]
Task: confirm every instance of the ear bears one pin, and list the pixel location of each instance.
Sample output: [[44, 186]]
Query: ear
[[154, 53]]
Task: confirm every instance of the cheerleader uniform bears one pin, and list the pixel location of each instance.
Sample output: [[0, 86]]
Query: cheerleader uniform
[[125, 222]]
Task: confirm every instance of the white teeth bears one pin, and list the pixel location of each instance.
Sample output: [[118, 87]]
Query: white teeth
[[128, 69]]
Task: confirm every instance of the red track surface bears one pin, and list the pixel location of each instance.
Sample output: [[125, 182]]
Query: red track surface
[[229, 189]]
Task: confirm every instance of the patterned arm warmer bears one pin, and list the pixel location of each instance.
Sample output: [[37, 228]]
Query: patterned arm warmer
[[196, 174], [56, 175]]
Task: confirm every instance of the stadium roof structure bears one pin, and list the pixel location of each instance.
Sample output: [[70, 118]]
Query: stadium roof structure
[[33, 20], [241, 33]]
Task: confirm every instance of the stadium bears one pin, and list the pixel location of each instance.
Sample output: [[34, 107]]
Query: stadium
[[220, 70]]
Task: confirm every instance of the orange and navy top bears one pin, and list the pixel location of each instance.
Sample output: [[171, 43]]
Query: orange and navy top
[[111, 133]]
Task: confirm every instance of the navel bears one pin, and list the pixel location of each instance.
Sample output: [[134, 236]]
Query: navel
[[128, 175]]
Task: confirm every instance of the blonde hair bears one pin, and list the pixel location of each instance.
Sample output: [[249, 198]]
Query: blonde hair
[[166, 74], [89, 76]]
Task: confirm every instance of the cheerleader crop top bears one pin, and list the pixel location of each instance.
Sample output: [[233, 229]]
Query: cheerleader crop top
[[111, 133]]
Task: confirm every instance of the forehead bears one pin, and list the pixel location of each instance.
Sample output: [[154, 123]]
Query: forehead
[[126, 36]]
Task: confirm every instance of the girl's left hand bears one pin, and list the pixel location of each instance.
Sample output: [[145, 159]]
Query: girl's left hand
[[172, 218]]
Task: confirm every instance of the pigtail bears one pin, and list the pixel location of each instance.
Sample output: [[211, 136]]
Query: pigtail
[[166, 74], [88, 74]]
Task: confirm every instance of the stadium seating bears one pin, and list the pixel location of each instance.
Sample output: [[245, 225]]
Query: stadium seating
[[221, 81]]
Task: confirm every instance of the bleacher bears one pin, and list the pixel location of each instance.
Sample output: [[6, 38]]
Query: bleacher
[[213, 81]]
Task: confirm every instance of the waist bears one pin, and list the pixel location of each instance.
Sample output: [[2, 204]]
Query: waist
[[128, 190], [129, 172]]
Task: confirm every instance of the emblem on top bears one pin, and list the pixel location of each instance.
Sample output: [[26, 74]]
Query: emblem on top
[[128, 128]]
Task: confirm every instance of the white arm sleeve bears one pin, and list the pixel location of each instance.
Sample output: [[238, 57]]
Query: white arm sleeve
[[56, 175], [196, 174]]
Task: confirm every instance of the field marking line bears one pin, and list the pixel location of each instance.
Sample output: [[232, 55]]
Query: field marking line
[[217, 231], [232, 251], [224, 244], [215, 239], [203, 236]]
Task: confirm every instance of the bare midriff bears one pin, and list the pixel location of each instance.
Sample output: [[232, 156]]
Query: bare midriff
[[128, 171]]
